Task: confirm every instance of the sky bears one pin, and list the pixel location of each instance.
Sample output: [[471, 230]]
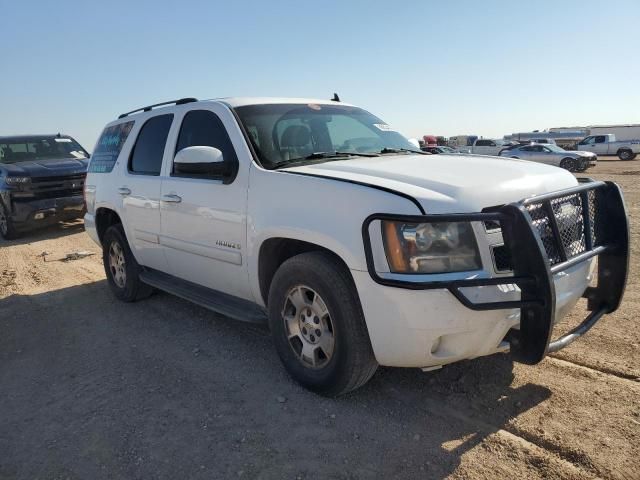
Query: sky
[[444, 68]]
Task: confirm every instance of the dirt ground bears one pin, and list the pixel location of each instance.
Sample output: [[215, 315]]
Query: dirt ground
[[94, 388]]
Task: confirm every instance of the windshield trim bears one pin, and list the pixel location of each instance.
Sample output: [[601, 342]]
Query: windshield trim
[[254, 150]]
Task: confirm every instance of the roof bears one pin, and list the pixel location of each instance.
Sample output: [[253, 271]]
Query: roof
[[232, 102], [34, 135], [244, 101]]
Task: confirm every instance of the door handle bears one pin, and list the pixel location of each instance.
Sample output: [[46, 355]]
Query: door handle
[[171, 198], [124, 191]]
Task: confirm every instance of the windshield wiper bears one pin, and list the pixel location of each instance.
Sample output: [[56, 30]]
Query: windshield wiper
[[386, 150], [319, 156]]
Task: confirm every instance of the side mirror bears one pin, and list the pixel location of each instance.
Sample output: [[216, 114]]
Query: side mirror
[[200, 161]]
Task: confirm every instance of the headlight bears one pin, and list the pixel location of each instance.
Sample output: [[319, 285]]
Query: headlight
[[430, 247], [16, 180]]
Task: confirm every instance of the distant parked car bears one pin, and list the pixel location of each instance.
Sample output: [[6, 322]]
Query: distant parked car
[[485, 146], [438, 149], [553, 155], [41, 181], [607, 145]]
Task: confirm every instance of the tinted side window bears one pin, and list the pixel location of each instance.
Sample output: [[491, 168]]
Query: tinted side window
[[599, 139], [483, 143], [109, 146], [146, 157], [204, 128]]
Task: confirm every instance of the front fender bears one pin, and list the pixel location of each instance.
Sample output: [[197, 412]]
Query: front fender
[[317, 210]]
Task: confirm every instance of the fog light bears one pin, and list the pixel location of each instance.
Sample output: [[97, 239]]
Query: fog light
[[39, 216]]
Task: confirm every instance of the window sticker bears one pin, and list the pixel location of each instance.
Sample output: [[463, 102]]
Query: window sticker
[[109, 146], [384, 127]]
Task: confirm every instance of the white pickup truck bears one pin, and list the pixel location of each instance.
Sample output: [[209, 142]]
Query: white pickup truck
[[485, 146], [607, 145], [317, 218]]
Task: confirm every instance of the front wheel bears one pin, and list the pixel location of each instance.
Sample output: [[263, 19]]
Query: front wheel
[[582, 166], [7, 230], [121, 267], [626, 155], [568, 164], [318, 326]]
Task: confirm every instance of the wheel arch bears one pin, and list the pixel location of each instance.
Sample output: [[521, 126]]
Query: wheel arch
[[104, 218], [274, 251]]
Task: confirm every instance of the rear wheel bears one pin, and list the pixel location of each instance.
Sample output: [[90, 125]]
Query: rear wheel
[[318, 326], [7, 230], [626, 154], [121, 267], [568, 164]]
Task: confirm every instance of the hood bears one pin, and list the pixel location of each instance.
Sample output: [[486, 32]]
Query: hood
[[583, 154], [450, 183], [47, 168]]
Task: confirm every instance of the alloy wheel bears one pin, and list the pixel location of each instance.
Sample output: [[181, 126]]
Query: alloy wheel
[[309, 327], [117, 264]]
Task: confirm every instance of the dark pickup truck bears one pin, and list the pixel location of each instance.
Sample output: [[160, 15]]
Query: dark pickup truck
[[41, 181]]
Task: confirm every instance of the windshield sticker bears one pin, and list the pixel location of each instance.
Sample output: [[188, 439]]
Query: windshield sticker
[[109, 146], [314, 106], [384, 127], [63, 140]]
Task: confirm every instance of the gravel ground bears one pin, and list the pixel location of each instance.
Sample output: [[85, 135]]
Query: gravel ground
[[94, 388]]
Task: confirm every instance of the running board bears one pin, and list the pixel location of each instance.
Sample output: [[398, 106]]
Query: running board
[[208, 298]]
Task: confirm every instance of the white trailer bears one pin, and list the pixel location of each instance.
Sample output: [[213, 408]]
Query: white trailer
[[622, 132]]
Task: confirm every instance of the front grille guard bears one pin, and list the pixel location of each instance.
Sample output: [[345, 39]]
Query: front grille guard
[[538, 250]]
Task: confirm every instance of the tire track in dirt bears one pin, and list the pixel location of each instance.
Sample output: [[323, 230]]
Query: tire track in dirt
[[601, 369]]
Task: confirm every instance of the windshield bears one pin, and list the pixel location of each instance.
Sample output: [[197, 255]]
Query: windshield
[[284, 133], [555, 148], [21, 149]]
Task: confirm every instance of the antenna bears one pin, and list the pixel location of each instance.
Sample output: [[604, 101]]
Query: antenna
[[335, 98]]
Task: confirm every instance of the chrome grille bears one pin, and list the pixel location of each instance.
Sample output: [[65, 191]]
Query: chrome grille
[[570, 219], [571, 216]]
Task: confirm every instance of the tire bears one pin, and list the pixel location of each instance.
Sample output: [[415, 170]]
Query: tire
[[626, 154], [121, 268], [331, 307], [568, 163], [7, 229], [582, 166]]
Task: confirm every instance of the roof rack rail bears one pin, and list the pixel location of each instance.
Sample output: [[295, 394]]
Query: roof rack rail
[[180, 101]]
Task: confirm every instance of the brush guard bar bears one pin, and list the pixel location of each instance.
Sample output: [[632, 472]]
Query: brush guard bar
[[545, 235]]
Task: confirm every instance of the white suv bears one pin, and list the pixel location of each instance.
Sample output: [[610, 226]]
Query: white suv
[[320, 219]]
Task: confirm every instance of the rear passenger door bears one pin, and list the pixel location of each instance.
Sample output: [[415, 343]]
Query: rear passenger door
[[140, 191], [204, 219]]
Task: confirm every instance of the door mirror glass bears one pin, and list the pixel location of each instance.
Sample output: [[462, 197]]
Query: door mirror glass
[[200, 161]]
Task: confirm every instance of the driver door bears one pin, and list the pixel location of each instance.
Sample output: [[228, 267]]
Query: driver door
[[203, 219]]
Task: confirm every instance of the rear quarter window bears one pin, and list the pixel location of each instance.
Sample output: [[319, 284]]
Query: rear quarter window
[[109, 147]]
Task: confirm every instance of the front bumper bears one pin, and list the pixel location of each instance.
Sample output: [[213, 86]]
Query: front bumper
[[540, 263], [27, 214]]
